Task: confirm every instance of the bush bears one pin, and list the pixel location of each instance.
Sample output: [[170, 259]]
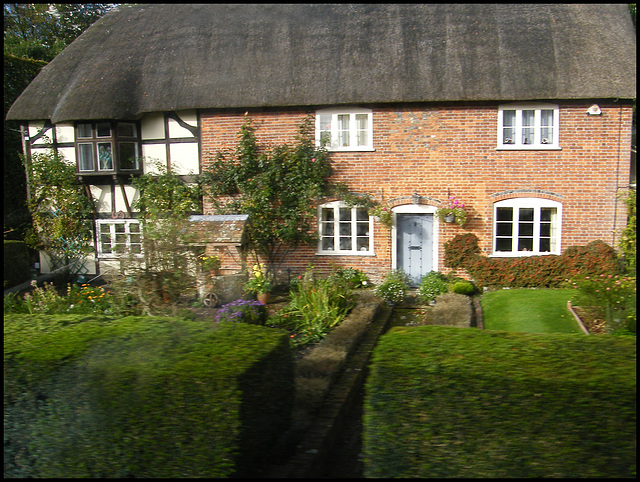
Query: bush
[[394, 286], [355, 278], [251, 312], [549, 271], [316, 306], [431, 286], [463, 288], [442, 402], [142, 396]]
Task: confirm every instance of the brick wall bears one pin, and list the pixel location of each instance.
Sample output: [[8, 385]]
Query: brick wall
[[451, 150]]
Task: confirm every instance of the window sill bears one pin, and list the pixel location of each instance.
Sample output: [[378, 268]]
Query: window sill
[[528, 148], [520, 254], [351, 149], [345, 253]]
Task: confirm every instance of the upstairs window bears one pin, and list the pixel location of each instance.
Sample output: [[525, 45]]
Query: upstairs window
[[345, 129], [532, 126], [106, 147], [526, 226], [345, 230]]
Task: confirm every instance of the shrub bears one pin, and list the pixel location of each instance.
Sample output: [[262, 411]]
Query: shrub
[[316, 306], [463, 288], [431, 286], [445, 402], [613, 295], [355, 278], [16, 263], [549, 271], [394, 286], [245, 311], [452, 309]]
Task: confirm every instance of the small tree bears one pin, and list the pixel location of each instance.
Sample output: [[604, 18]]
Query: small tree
[[156, 281], [61, 213], [278, 189]]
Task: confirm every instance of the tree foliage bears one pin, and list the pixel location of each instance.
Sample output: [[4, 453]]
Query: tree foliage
[[278, 188], [628, 244], [61, 212]]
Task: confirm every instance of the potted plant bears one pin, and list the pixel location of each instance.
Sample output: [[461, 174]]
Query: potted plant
[[210, 263], [259, 284], [384, 215], [453, 211]]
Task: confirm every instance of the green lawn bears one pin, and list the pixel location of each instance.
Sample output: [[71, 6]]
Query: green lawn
[[529, 310]]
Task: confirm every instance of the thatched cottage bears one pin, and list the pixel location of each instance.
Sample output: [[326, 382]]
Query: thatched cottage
[[522, 112]]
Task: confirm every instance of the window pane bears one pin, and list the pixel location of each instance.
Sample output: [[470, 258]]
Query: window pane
[[525, 244], [327, 214], [546, 213], [345, 214], [84, 131], [362, 121], [528, 122], [526, 214], [525, 229], [345, 229], [504, 229], [126, 130], [134, 228], [327, 244], [362, 214], [503, 244], [85, 157], [343, 130], [127, 152], [103, 129], [504, 214], [508, 126], [325, 129], [104, 156], [328, 229], [545, 245], [345, 243], [546, 119], [362, 229], [363, 244]]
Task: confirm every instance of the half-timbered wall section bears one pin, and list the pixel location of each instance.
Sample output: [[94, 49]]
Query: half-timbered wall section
[[107, 153]]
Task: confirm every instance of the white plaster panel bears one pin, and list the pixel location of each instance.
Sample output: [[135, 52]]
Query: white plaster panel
[[65, 132], [184, 158], [176, 131], [34, 129], [152, 126], [68, 154], [152, 154], [132, 196], [102, 195]]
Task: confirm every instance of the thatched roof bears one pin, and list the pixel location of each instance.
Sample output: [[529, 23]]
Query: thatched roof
[[167, 57]]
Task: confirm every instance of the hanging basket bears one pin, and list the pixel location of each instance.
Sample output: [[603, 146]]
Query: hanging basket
[[449, 218]]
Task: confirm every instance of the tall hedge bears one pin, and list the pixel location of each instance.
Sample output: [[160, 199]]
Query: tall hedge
[[450, 402], [16, 263], [142, 396]]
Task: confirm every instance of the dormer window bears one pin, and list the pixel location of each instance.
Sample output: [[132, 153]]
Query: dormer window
[[107, 147], [531, 126]]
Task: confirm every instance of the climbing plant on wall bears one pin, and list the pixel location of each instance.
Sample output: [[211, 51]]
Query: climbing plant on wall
[[279, 188], [61, 212]]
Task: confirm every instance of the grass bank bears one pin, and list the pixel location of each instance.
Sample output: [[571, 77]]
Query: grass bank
[[529, 310]]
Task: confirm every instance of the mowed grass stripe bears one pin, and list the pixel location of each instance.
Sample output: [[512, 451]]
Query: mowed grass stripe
[[529, 310]]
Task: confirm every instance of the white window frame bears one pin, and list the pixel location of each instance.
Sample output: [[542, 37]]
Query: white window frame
[[112, 233], [324, 231], [536, 204], [336, 133], [538, 143]]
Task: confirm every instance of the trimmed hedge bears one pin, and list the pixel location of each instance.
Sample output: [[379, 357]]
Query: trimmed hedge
[[446, 402], [16, 263], [142, 396], [549, 271]]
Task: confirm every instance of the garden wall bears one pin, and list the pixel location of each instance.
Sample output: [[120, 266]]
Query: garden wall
[[142, 396], [446, 402]]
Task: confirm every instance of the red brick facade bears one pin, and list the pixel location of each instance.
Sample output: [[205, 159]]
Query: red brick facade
[[439, 151]]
